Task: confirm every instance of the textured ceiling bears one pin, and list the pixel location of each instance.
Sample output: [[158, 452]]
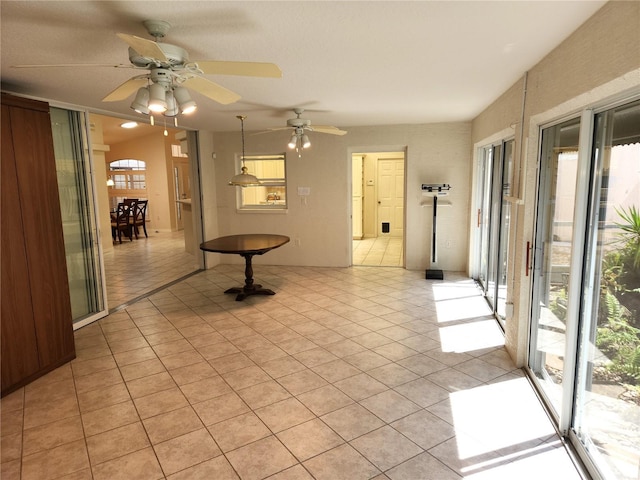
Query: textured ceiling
[[349, 63]]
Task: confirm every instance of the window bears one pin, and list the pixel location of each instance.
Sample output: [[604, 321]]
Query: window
[[272, 193], [129, 180], [176, 151]]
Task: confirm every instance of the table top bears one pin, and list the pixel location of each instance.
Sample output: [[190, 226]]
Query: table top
[[256, 243]]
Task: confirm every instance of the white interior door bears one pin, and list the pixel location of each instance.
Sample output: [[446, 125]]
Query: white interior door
[[391, 197]]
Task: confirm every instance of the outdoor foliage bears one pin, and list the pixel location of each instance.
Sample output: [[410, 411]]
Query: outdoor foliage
[[620, 341], [630, 235], [618, 335]]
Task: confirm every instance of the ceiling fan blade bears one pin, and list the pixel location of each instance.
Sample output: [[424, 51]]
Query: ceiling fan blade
[[146, 48], [327, 129], [247, 69], [271, 130], [212, 90], [75, 65], [126, 89]]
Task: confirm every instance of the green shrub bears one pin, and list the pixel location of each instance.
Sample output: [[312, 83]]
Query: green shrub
[[619, 340]]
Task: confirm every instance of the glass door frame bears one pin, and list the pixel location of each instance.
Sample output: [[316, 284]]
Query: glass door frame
[[483, 202], [90, 178]]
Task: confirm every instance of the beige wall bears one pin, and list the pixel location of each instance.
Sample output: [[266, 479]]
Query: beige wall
[[599, 61], [436, 153]]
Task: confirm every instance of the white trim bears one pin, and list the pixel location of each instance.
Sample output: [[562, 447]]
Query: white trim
[[574, 297]]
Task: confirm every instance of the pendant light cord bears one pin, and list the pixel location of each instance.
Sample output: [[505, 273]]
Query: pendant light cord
[[241, 117]]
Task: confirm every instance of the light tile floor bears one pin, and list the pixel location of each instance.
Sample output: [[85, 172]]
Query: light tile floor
[[346, 373], [137, 267], [379, 252]]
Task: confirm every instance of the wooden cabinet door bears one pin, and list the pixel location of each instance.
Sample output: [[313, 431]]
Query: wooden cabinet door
[[37, 329], [44, 240], [19, 347]]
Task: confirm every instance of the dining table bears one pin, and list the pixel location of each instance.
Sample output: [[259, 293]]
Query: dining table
[[247, 245]]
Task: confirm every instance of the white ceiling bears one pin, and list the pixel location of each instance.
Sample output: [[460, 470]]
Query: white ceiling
[[349, 63]]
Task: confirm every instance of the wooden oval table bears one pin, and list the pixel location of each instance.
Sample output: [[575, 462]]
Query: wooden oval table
[[246, 245]]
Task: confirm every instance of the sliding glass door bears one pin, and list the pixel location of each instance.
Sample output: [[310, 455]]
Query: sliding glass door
[[494, 217], [77, 206], [607, 400], [585, 337], [484, 216], [552, 256]]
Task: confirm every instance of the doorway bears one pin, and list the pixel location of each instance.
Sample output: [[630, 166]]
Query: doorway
[[378, 199], [136, 267]]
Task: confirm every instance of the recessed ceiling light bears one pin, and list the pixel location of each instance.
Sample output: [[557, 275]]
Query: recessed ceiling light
[[129, 124]]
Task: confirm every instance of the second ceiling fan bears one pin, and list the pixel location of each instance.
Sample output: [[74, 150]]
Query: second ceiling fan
[[300, 126]]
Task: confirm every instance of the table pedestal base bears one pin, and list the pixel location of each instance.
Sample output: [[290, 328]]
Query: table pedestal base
[[244, 292], [249, 288]]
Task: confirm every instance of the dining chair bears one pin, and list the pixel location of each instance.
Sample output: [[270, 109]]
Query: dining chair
[[129, 201], [121, 223], [139, 217]]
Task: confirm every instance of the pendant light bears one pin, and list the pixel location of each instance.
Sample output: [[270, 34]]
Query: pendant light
[[243, 179]]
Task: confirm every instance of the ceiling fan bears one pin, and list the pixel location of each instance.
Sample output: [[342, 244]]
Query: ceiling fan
[[163, 89], [299, 139]]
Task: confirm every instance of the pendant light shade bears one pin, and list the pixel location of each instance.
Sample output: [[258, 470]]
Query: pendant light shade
[[172, 105], [243, 179], [186, 104], [293, 142], [141, 102], [157, 98]]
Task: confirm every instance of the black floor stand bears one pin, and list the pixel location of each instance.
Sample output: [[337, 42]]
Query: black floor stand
[[434, 274]]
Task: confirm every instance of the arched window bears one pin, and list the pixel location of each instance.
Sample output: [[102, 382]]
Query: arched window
[[129, 180]]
